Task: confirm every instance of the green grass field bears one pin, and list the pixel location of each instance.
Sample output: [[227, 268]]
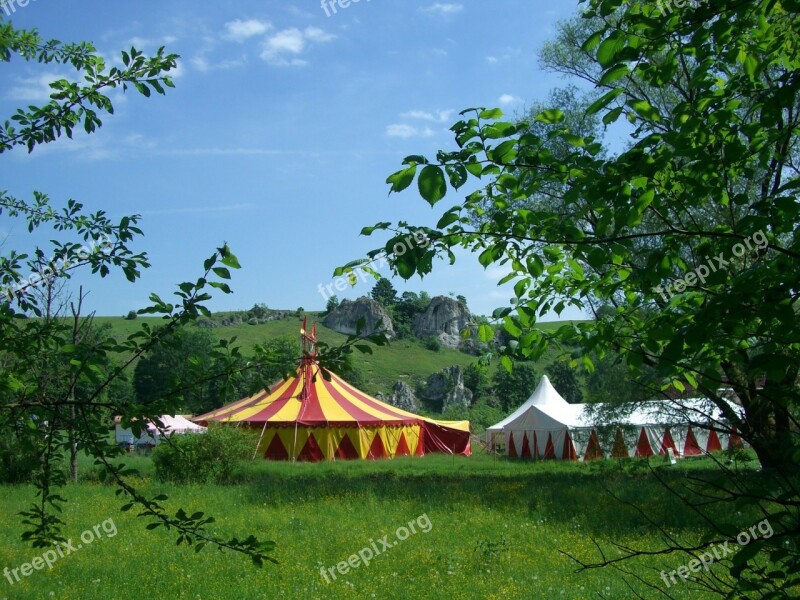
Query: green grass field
[[495, 529]]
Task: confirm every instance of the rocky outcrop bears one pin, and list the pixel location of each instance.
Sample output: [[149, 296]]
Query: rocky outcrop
[[444, 318], [345, 317], [403, 397], [448, 388]]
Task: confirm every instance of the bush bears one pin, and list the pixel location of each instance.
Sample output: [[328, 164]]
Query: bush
[[18, 458], [132, 314], [205, 457], [482, 415], [432, 343]]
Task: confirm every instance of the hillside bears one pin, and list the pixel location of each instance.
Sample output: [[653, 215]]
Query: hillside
[[405, 359]]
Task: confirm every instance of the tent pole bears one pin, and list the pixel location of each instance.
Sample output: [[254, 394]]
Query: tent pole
[[261, 437]]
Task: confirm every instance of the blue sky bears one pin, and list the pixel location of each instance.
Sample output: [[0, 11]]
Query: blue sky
[[279, 136]]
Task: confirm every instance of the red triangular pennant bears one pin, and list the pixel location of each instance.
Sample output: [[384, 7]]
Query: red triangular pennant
[[311, 451], [276, 450], [691, 447], [643, 445], [346, 450], [402, 447], [526, 448]]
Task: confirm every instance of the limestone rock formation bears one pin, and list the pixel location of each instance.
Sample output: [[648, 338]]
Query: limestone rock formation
[[345, 317], [448, 387], [403, 397], [444, 318]]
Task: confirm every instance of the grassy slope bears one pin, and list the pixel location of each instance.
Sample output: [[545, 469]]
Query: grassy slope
[[497, 530], [403, 359]]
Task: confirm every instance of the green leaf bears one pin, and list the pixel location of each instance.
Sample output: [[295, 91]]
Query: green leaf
[[604, 101], [574, 140], [644, 109], [551, 116], [535, 266], [448, 218], [612, 115], [485, 333], [613, 74], [402, 179], [609, 48], [491, 113], [229, 260], [432, 184]]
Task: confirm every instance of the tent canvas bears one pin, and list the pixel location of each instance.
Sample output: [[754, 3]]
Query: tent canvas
[[316, 415], [173, 425], [547, 426]]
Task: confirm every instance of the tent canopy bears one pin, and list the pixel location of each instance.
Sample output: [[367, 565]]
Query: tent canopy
[[317, 415], [173, 425], [548, 426]]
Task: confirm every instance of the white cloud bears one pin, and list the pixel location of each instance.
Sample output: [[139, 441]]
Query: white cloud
[[240, 30], [405, 131], [508, 54], [444, 9], [282, 48], [439, 116], [34, 89], [141, 43], [507, 99], [201, 64], [315, 34]]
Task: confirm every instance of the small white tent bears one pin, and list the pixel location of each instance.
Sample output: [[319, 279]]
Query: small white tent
[[547, 426], [176, 425]]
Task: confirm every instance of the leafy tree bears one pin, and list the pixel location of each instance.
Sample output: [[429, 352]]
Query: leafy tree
[[52, 416], [512, 388], [131, 316], [476, 379], [333, 304], [403, 312], [691, 252], [279, 357], [462, 299], [173, 367], [563, 378], [384, 293], [687, 238], [610, 382], [259, 311]]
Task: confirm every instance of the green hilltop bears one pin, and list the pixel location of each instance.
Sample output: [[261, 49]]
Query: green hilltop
[[405, 359]]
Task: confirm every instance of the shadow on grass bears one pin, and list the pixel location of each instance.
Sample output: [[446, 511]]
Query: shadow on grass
[[597, 498]]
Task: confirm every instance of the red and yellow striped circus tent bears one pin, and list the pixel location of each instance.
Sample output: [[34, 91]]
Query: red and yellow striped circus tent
[[316, 415]]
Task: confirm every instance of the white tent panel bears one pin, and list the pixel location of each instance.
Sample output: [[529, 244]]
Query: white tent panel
[[545, 414]]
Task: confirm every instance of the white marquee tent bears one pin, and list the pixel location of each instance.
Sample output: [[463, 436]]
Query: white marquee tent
[[547, 426], [176, 425]]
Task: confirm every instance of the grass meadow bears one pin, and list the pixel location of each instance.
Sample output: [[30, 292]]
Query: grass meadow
[[497, 529]]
